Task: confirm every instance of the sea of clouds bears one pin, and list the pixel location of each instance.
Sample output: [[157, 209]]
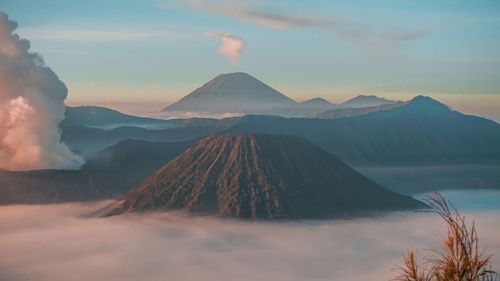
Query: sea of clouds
[[64, 242]]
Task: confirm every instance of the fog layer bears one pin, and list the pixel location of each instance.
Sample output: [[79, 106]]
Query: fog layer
[[60, 242]]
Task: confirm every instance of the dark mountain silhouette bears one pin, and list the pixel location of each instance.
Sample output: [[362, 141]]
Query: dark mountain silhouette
[[260, 176], [421, 179], [422, 132], [365, 101], [88, 129], [47, 186], [108, 173], [106, 118], [233, 92], [121, 167], [87, 141], [351, 112], [102, 117]]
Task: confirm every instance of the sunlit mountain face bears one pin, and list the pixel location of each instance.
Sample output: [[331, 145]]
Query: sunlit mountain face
[[249, 140]]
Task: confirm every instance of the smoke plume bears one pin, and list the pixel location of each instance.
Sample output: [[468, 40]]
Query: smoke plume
[[31, 108], [231, 47]]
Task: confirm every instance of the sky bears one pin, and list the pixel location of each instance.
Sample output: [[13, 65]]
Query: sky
[[133, 54]]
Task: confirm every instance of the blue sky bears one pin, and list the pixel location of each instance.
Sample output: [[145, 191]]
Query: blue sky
[[155, 51]]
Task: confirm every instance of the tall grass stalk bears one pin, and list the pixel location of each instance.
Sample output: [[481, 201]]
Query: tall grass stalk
[[459, 258]]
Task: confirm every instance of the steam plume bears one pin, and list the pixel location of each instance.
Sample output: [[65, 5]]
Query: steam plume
[[231, 47], [31, 107]]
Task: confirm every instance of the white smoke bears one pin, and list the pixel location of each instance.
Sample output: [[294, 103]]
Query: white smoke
[[231, 47], [31, 108]]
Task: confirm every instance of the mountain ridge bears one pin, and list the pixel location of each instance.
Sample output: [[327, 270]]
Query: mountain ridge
[[365, 101], [421, 132], [351, 112], [240, 92]]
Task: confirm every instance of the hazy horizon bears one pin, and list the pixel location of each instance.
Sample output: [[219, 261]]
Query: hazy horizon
[[155, 52], [482, 106]]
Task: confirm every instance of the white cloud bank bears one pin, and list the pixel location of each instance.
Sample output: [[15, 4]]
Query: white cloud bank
[[231, 46], [31, 107], [58, 242]]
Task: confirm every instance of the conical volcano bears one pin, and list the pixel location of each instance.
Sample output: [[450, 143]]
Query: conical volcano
[[262, 177], [233, 92]]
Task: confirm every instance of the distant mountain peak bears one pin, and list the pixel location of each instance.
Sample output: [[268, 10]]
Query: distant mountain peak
[[427, 103], [424, 99], [232, 92], [235, 74], [366, 96], [365, 101], [318, 101]]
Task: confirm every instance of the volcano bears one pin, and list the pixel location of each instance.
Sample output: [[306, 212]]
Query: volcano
[[260, 177], [233, 92]]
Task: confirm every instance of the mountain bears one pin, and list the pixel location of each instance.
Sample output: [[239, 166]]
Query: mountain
[[233, 92], [102, 117], [88, 140], [241, 93], [305, 108], [423, 179], [260, 177], [108, 173], [121, 167], [421, 132], [351, 112], [47, 186], [365, 101], [317, 102]]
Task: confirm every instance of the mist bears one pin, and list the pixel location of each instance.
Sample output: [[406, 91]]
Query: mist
[[190, 114], [31, 107], [62, 242]]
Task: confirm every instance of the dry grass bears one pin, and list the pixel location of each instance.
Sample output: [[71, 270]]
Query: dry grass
[[458, 259]]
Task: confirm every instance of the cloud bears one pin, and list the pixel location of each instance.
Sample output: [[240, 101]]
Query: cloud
[[246, 11], [52, 242], [344, 29], [231, 47], [282, 21], [188, 114], [97, 33], [407, 36], [31, 108], [376, 39], [267, 18]]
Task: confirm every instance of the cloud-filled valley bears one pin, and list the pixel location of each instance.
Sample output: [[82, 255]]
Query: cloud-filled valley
[[55, 242]]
